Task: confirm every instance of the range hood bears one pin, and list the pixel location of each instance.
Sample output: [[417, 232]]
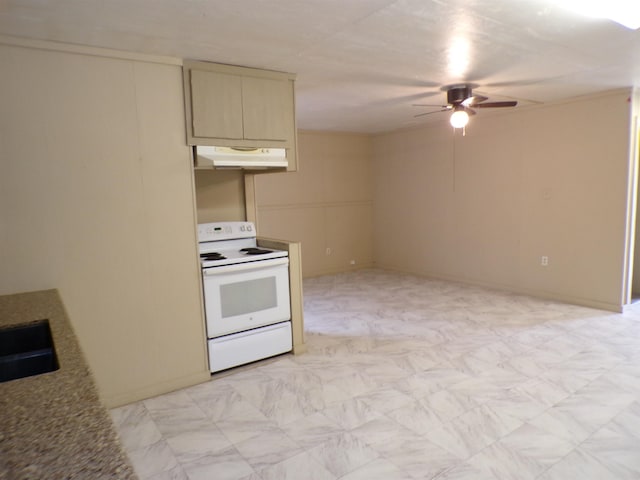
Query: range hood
[[239, 157]]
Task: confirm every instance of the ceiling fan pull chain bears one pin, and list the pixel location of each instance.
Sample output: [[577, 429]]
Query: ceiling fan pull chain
[[464, 130]]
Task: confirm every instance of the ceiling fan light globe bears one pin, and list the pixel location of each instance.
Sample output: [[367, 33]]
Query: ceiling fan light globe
[[459, 119]]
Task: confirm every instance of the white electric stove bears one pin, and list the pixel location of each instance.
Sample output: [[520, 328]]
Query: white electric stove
[[246, 295]]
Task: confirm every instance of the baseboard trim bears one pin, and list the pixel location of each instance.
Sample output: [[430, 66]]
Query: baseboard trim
[[543, 295], [112, 401]]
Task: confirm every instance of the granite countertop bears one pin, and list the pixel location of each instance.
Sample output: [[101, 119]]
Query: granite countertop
[[53, 425]]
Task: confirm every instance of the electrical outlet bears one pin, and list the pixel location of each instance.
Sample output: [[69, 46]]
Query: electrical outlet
[[544, 261], [328, 251], [352, 262]]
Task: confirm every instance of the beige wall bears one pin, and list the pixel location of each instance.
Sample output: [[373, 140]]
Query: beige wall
[[96, 199], [220, 195], [635, 153], [484, 208], [326, 204]]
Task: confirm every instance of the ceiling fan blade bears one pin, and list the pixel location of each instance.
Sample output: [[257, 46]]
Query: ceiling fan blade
[[444, 107], [474, 100], [470, 111], [429, 113], [512, 103]]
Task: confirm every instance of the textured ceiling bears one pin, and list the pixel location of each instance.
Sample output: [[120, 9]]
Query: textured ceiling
[[361, 64]]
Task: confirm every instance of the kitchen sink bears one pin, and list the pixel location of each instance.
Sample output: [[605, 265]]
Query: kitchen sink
[[26, 349]]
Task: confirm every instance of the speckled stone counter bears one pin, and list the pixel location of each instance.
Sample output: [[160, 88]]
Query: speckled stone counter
[[53, 425]]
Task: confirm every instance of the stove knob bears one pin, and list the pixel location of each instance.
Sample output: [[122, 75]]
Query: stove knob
[[249, 228]]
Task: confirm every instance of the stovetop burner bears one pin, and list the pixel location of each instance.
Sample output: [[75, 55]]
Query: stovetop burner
[[254, 251], [212, 256]]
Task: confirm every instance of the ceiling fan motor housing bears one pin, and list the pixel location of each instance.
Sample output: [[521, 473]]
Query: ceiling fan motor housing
[[457, 95]]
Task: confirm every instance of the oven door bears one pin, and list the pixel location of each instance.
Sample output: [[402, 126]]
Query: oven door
[[246, 295]]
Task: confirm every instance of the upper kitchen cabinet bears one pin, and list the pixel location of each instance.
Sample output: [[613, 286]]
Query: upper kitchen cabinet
[[233, 106]]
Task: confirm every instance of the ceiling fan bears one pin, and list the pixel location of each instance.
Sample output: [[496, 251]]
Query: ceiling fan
[[461, 101]]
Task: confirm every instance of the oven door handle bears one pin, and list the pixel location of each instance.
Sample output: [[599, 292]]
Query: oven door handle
[[244, 267]]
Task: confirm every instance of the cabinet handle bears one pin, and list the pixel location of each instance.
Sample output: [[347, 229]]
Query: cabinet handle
[[244, 267]]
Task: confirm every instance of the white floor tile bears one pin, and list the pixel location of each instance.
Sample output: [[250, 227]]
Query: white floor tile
[[224, 465], [378, 469], [302, 465], [343, 454], [411, 378]]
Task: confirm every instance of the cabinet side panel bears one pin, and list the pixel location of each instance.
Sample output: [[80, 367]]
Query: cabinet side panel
[[96, 200]]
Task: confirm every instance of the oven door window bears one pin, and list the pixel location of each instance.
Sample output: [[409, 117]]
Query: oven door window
[[241, 298]]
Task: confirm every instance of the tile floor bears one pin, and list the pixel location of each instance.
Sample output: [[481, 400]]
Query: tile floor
[[410, 378]]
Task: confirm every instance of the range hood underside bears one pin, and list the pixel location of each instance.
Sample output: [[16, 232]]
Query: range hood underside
[[230, 158]]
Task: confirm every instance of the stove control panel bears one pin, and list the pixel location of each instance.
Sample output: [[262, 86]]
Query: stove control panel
[[209, 232]]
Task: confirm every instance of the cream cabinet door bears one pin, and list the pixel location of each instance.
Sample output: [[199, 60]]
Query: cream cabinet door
[[216, 105], [267, 106]]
